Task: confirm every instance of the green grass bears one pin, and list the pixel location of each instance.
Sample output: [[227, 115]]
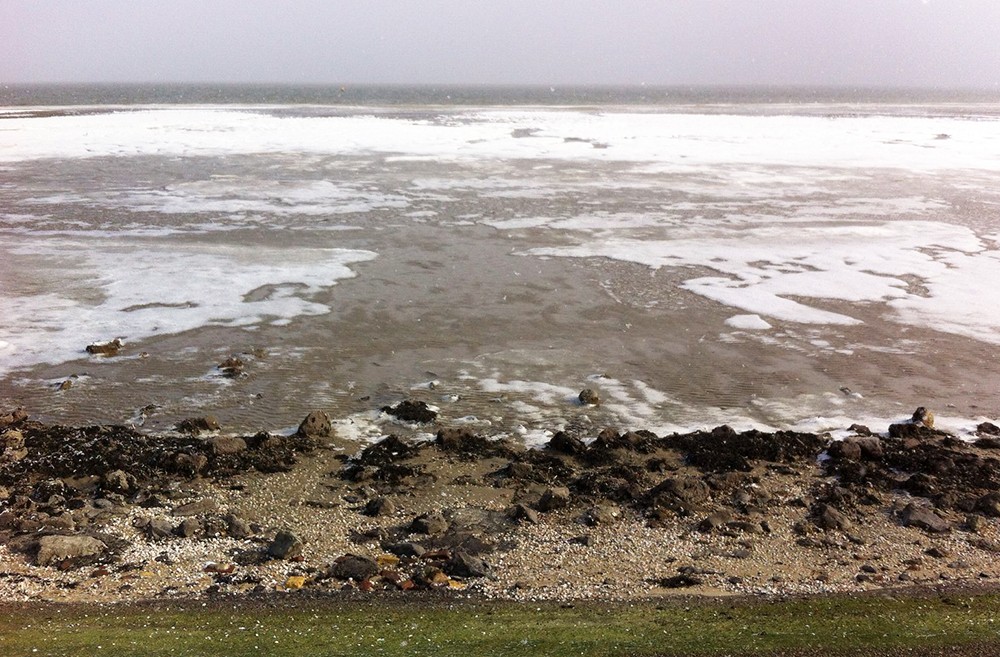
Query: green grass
[[304, 627]]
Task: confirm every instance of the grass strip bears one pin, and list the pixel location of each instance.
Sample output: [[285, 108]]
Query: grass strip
[[298, 626]]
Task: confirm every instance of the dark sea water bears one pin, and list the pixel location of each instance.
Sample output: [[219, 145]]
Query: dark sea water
[[679, 97], [760, 257]]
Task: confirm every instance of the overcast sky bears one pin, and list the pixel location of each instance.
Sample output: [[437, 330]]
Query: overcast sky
[[941, 43]]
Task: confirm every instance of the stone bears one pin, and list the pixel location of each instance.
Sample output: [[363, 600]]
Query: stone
[[406, 549], [429, 523], [237, 527], [232, 367], [588, 397], [989, 504], [188, 527], [285, 545], [463, 564], [828, 517], [988, 428], [353, 566], [554, 498], [714, 521], [683, 580], [923, 416], [916, 516], [680, 495], [159, 528], [845, 449], [411, 411], [12, 447], [55, 549], [10, 418], [106, 348], [196, 508], [227, 445], [196, 425], [117, 481], [315, 425], [602, 514], [380, 506], [190, 463], [523, 513], [564, 443]]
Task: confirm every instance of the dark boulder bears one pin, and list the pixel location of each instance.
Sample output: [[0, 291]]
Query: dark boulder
[[285, 545], [411, 411], [195, 425], [106, 348], [680, 495], [922, 518], [554, 498], [315, 425], [463, 564], [354, 567], [564, 443]]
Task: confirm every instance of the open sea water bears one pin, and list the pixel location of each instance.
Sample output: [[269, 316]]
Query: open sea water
[[765, 258]]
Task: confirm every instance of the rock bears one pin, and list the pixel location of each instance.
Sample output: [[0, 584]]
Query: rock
[[554, 498], [827, 517], [429, 523], [845, 449], [117, 481], [411, 411], [380, 506], [11, 418], [159, 528], [189, 527], [564, 443], [680, 495], [469, 443], [237, 527], [285, 545], [988, 428], [937, 552], [915, 516], [195, 425], [315, 425], [12, 447], [923, 417], [602, 514], [909, 430], [524, 513], [406, 549], [463, 564], [714, 521], [683, 580], [106, 348], [227, 445], [352, 566], [232, 367], [55, 549], [989, 504], [190, 463], [196, 508], [588, 397], [988, 442]]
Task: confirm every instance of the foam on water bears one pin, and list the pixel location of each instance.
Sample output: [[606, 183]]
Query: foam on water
[[666, 140], [88, 290], [765, 270]]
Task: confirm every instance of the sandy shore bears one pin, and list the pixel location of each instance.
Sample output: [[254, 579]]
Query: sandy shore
[[108, 514]]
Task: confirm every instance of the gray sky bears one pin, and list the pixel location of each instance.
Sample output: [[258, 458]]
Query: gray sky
[[816, 42]]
